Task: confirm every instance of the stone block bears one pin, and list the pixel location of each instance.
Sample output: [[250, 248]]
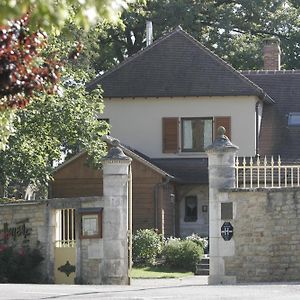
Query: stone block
[[95, 249], [114, 249]]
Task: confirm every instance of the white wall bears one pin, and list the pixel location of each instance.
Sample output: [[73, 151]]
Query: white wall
[[138, 122]]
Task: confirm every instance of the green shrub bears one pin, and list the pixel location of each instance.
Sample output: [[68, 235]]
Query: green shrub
[[146, 247], [182, 254], [203, 242], [20, 264]]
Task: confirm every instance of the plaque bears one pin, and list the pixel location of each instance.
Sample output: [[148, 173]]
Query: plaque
[[227, 231]]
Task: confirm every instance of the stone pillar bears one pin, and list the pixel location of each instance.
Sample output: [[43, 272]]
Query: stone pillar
[[114, 267], [221, 161]]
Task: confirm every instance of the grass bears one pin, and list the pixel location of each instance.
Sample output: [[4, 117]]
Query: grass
[[158, 272]]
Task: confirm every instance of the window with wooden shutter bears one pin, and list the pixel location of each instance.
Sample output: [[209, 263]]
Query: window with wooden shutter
[[170, 135], [225, 122], [196, 134]]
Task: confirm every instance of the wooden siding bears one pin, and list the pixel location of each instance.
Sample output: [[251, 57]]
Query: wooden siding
[[77, 179]]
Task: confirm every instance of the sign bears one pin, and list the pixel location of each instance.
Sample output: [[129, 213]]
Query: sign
[[227, 231]]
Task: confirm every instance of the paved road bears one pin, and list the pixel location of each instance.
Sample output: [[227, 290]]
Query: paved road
[[188, 288]]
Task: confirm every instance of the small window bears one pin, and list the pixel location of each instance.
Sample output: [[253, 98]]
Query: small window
[[191, 209], [294, 119], [197, 134]]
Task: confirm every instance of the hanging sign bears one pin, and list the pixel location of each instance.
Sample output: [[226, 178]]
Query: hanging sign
[[227, 231]]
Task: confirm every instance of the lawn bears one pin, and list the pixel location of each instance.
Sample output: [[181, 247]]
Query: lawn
[[158, 272]]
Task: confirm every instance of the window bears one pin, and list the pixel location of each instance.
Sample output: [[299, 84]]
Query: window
[[294, 119], [191, 209], [191, 134], [197, 134]]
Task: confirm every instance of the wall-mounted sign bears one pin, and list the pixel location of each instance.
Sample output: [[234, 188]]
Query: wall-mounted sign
[[227, 231], [91, 222]]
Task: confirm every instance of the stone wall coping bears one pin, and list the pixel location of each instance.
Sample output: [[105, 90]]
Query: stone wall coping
[[23, 202], [85, 198], [52, 200], [262, 189]]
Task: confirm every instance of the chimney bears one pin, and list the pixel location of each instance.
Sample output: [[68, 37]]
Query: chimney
[[149, 33], [272, 54]]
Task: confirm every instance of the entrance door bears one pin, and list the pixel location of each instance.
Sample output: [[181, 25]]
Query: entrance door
[[65, 247]]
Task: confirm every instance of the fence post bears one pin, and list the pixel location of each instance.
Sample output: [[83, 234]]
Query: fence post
[[221, 167], [114, 267]]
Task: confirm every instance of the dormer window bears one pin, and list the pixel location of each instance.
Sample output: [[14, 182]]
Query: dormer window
[[294, 119]]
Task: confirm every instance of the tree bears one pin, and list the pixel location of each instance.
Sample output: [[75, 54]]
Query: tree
[[24, 71], [233, 29], [56, 124], [53, 13]]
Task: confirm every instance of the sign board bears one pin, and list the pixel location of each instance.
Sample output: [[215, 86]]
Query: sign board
[[227, 231]]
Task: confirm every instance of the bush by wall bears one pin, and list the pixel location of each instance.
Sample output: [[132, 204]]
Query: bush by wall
[[146, 247], [182, 254], [20, 264]]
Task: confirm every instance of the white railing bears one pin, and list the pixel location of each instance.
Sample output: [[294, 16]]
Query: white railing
[[260, 173]]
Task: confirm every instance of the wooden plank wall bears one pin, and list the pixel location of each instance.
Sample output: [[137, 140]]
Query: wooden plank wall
[[77, 179]]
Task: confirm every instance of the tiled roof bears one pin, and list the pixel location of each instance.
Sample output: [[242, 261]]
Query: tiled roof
[[175, 65], [185, 170], [284, 87]]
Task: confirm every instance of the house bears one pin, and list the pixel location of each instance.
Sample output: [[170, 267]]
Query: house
[[165, 103]]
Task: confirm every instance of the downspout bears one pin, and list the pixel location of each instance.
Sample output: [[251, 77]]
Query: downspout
[[256, 130], [129, 224], [156, 193]]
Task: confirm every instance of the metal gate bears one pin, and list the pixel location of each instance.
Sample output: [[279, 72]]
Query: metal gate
[[65, 246]]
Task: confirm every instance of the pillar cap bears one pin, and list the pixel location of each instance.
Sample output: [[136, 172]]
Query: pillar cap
[[116, 153], [221, 143]]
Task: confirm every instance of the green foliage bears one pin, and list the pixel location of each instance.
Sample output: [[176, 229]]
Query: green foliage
[[62, 123], [202, 242], [146, 247], [53, 13], [234, 30], [20, 265], [182, 254], [6, 127]]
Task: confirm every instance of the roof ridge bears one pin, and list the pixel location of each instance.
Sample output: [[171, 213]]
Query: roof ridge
[[133, 57], [228, 66]]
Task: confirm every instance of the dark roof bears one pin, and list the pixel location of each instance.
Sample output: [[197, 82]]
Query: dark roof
[[175, 65], [185, 170], [276, 137]]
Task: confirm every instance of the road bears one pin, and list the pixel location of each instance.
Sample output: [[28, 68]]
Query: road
[[188, 288]]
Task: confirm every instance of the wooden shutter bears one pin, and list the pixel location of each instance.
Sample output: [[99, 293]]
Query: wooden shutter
[[170, 135], [225, 122]]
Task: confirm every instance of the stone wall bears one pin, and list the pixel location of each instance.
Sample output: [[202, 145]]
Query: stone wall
[[89, 252], [27, 222], [266, 235]]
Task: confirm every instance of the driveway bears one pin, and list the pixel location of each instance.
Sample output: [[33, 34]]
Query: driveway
[[188, 288]]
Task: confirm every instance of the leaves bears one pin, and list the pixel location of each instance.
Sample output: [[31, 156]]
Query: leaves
[[234, 30], [54, 127], [53, 14]]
